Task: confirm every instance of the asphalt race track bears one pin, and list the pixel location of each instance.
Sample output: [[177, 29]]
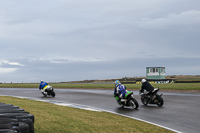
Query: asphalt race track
[[180, 111]]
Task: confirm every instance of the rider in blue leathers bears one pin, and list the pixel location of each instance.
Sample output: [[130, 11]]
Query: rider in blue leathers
[[42, 86], [120, 90]]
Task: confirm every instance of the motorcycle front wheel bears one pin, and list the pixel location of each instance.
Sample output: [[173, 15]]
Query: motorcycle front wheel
[[121, 105], [144, 101], [133, 103]]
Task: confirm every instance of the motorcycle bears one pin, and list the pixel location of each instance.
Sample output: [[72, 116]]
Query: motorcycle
[[128, 101], [49, 91], [152, 98]]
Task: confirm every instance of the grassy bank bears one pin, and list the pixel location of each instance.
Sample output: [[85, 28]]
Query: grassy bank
[[175, 86], [50, 118]]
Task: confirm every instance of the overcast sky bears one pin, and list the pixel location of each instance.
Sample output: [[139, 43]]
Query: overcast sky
[[67, 40]]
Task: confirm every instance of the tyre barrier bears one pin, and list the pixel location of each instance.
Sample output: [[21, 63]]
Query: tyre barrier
[[15, 120]]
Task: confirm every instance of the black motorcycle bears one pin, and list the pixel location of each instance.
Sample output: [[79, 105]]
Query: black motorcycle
[[152, 98], [49, 91]]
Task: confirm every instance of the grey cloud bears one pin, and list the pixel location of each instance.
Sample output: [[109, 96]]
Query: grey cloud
[[69, 40], [183, 19], [83, 70]]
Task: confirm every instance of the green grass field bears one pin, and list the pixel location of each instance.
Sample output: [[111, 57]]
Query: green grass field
[[175, 86], [50, 118]]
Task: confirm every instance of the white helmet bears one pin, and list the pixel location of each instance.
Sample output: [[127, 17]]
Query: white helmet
[[143, 80]]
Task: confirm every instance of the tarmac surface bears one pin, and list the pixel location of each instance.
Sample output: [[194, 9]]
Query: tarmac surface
[[179, 112]]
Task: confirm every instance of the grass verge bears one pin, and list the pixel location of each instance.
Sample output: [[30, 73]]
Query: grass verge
[[50, 118], [175, 86]]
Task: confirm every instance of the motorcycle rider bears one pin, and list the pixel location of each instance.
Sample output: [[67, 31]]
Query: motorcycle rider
[[146, 86], [120, 90], [43, 86]]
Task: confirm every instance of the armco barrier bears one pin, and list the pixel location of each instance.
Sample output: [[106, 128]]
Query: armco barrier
[[15, 120], [187, 81]]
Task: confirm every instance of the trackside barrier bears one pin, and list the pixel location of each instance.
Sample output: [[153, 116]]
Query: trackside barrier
[[15, 120]]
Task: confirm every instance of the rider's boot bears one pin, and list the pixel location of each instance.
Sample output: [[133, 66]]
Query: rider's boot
[[44, 92], [119, 100]]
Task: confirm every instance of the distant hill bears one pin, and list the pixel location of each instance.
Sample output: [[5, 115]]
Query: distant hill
[[177, 78]]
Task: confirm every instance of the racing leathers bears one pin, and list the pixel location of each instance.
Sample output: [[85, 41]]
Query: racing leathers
[[43, 86], [120, 91], [146, 86]]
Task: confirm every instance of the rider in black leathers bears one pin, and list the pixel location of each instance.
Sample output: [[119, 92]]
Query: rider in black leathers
[[146, 86]]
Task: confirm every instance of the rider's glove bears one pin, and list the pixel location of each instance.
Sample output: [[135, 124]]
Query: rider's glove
[[141, 93]]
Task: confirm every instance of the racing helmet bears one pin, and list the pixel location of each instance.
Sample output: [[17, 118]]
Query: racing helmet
[[143, 80], [117, 82]]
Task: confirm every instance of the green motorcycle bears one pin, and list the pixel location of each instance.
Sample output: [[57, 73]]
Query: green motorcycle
[[128, 101]]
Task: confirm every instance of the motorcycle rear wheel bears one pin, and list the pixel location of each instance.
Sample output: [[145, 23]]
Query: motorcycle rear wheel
[[133, 103], [160, 101], [53, 94]]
